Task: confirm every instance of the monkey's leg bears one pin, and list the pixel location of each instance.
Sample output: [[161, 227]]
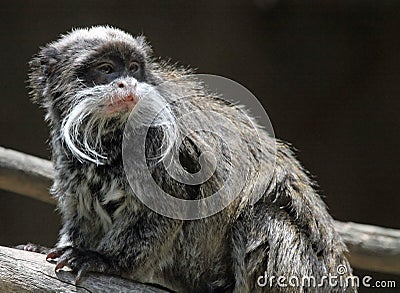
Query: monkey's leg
[[275, 254], [262, 254]]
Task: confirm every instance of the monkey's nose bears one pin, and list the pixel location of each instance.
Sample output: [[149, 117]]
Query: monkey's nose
[[123, 84]]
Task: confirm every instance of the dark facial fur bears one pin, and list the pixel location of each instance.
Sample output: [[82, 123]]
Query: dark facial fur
[[88, 81]]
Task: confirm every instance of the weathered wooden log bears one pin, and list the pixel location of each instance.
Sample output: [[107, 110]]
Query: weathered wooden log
[[23, 271], [370, 247], [25, 174]]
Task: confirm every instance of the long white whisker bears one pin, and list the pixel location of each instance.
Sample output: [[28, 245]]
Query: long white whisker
[[71, 127]]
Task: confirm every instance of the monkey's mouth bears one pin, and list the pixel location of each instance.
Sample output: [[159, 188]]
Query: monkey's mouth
[[121, 103]]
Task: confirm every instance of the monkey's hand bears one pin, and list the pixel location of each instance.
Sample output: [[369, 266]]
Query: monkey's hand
[[33, 248], [81, 261]]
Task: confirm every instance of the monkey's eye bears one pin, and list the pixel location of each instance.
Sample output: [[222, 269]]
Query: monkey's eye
[[134, 67], [106, 68]]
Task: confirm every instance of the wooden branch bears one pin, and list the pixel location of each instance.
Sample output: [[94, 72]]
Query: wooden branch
[[370, 247], [25, 174], [22, 271]]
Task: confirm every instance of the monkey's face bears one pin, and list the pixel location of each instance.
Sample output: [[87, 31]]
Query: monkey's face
[[121, 75], [89, 81], [116, 75]]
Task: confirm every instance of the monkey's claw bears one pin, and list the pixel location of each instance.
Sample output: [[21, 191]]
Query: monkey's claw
[[80, 261], [57, 252]]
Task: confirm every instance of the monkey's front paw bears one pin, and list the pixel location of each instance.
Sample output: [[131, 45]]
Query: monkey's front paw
[[80, 261]]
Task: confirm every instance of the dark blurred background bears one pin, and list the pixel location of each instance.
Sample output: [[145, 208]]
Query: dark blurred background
[[327, 73]]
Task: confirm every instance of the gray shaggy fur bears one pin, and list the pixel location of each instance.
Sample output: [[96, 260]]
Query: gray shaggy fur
[[287, 232]]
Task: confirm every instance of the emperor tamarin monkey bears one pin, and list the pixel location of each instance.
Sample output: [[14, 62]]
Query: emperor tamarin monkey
[[88, 82]]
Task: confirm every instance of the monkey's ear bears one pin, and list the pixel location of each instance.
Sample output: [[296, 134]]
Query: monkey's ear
[[41, 68], [144, 45]]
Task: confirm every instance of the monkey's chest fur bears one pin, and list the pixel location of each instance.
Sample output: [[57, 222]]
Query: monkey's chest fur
[[96, 196], [96, 201]]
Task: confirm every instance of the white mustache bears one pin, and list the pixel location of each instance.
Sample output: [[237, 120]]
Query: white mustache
[[85, 125]]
